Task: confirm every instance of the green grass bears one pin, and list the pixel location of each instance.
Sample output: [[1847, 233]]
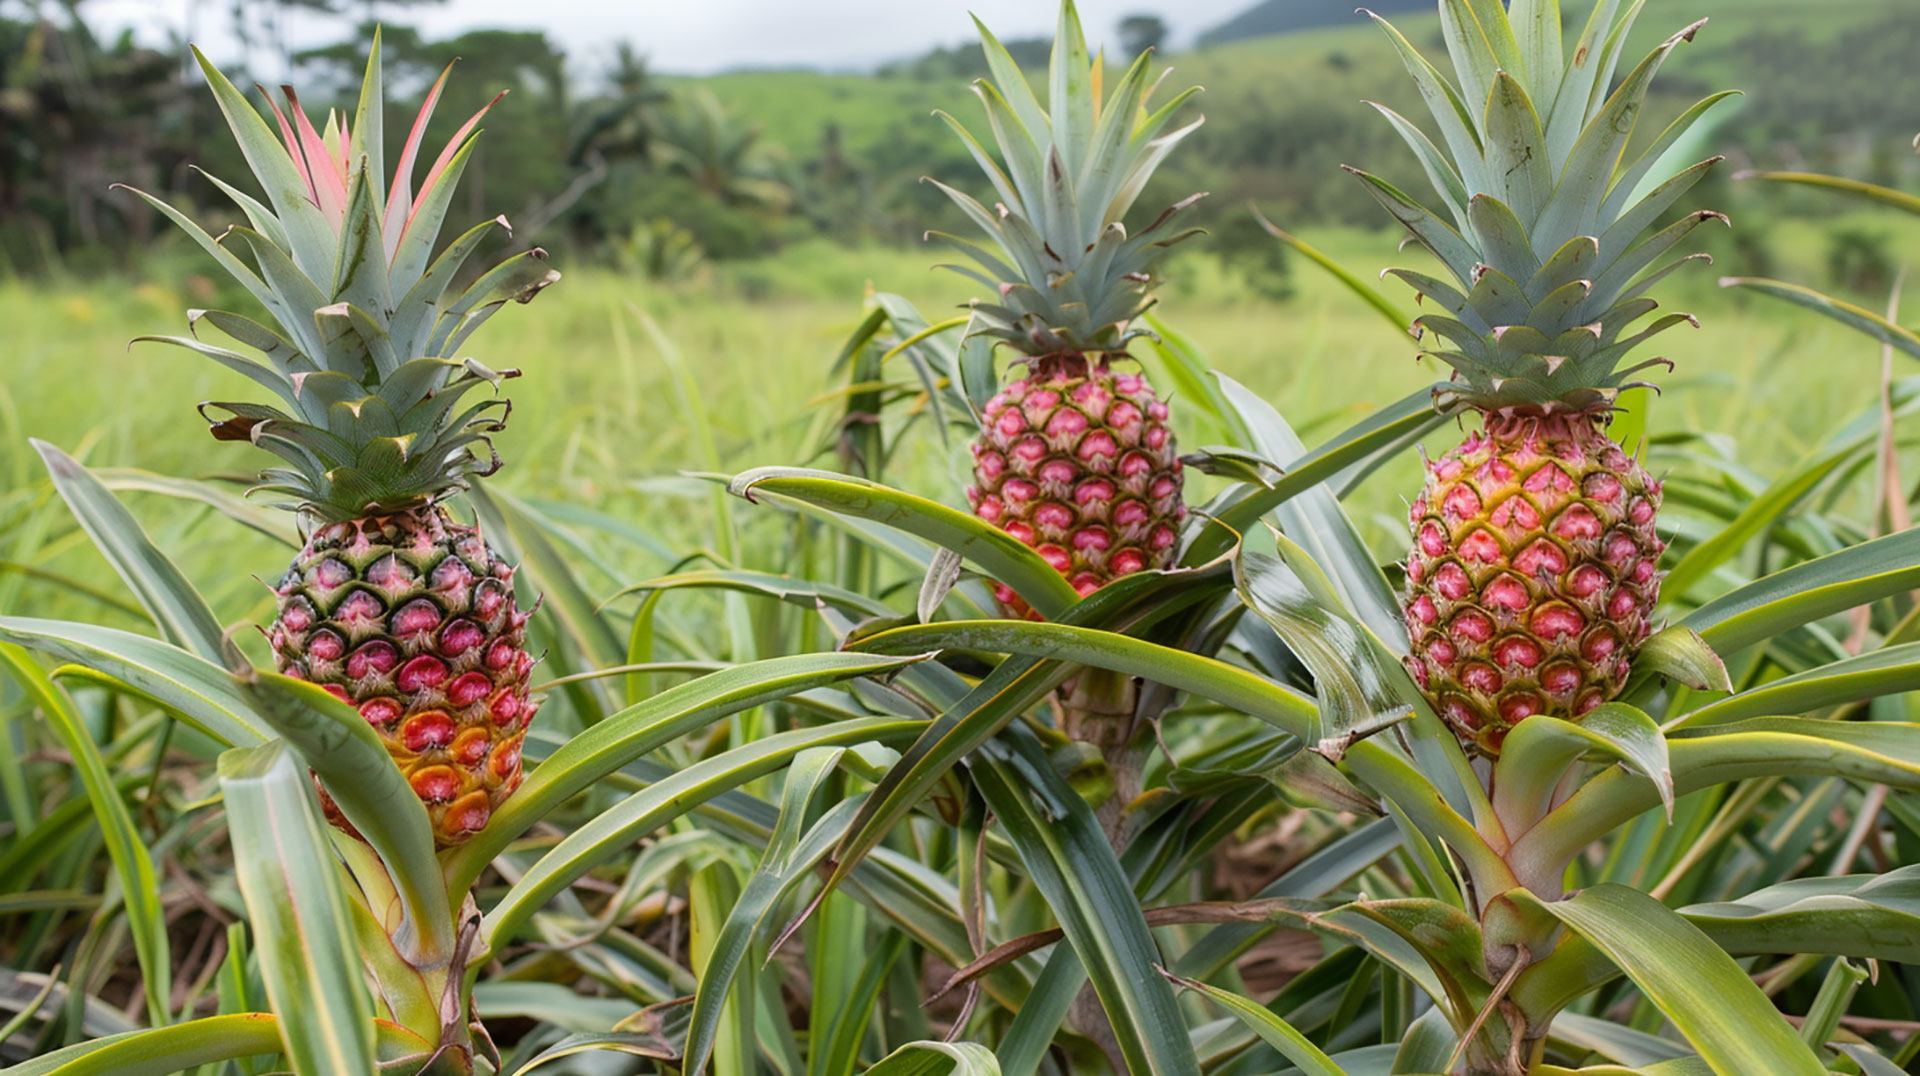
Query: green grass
[[598, 421]]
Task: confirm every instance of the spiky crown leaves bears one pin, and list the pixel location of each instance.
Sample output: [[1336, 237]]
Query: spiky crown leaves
[[1067, 276], [366, 321], [1545, 214]]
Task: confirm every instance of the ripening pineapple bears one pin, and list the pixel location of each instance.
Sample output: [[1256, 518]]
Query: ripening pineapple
[[393, 606], [1532, 578], [1075, 458]]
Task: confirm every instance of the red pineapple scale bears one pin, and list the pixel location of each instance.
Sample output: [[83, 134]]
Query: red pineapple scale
[[1533, 577], [1078, 463]]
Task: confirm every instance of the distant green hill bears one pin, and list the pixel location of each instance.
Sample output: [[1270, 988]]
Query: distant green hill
[[1291, 16], [1812, 70], [1827, 86]]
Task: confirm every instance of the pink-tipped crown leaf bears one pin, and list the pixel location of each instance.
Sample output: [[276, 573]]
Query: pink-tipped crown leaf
[[324, 171], [400, 199], [440, 163]]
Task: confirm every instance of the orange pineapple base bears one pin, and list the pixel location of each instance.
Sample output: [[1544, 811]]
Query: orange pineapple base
[[1078, 463], [1532, 579], [411, 618]]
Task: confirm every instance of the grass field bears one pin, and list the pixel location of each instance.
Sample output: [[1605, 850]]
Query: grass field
[[599, 419]]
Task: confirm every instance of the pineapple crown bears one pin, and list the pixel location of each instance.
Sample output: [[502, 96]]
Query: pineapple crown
[[1546, 218], [366, 322], [1067, 276]]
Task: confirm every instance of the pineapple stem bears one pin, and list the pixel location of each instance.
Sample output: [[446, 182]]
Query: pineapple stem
[[1098, 707]]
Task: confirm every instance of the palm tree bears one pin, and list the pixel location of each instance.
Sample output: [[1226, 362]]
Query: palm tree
[[726, 160], [624, 124]]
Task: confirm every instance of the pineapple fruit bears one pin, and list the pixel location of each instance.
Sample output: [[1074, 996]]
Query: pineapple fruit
[[1077, 462], [1533, 574], [1075, 459], [411, 618], [393, 606]]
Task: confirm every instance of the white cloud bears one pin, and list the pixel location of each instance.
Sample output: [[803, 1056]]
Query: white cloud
[[696, 37]]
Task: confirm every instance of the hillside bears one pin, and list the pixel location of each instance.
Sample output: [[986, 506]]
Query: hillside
[[1825, 85], [1272, 17], [1810, 68]]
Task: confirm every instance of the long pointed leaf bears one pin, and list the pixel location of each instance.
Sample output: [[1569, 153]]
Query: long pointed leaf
[[1860, 915], [938, 1059], [1848, 314], [639, 729], [200, 692], [370, 790], [178, 609], [1307, 1058], [163, 1051], [1068, 857], [1706, 995], [614, 830], [788, 860], [139, 884], [1809, 591], [297, 903], [991, 549]]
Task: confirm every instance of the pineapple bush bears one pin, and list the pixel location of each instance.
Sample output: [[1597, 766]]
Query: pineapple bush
[[1611, 774], [392, 606], [1533, 573], [1075, 459]]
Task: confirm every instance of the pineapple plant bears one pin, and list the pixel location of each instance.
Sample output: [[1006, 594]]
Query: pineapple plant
[[1533, 572], [393, 605], [1075, 458]]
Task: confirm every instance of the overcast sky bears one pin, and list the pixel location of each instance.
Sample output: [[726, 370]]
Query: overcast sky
[[702, 36]]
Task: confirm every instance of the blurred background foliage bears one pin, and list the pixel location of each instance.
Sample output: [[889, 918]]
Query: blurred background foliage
[[589, 154]]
